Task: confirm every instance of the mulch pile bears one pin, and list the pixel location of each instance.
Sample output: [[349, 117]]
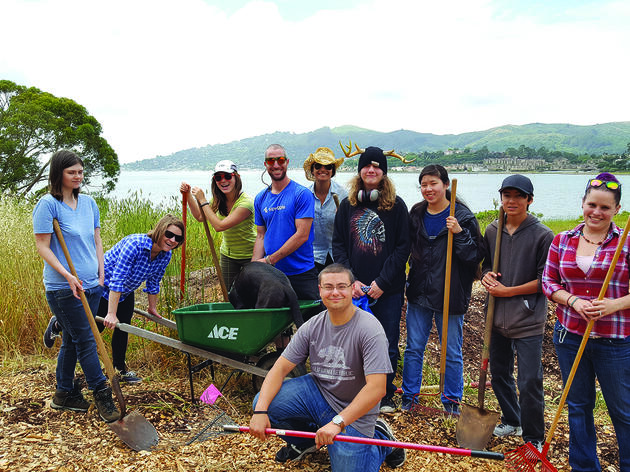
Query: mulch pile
[[34, 437]]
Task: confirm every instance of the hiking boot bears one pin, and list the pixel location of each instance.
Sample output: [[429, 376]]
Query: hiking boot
[[105, 405], [130, 377], [387, 405], [73, 401], [52, 331], [502, 430], [291, 452], [398, 456]]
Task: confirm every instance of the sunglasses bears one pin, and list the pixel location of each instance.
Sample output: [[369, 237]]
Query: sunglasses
[[318, 166], [170, 235], [279, 160], [219, 176], [598, 183]]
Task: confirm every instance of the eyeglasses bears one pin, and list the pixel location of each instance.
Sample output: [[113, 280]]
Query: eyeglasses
[[279, 160], [318, 166], [598, 183], [170, 235], [339, 287], [219, 176]]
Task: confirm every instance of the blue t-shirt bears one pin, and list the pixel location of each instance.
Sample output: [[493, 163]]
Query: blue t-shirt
[[434, 223], [277, 213], [77, 227]]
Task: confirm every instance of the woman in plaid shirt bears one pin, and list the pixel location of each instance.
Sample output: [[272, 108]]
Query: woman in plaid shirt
[[575, 271]]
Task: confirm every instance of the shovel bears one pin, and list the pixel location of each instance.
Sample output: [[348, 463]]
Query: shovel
[[134, 429], [475, 425]]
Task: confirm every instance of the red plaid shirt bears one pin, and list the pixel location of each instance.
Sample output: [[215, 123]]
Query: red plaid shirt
[[562, 272]]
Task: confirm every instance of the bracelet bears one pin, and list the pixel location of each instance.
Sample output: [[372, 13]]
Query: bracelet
[[204, 204], [569, 300], [575, 300], [268, 260], [260, 412]]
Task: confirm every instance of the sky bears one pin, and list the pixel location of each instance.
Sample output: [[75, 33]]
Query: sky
[[162, 75]]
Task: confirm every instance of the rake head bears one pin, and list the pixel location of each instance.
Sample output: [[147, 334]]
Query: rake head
[[526, 458]]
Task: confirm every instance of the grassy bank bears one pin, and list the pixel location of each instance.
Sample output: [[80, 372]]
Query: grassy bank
[[24, 312]]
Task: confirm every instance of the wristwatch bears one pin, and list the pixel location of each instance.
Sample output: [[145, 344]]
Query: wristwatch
[[338, 420]]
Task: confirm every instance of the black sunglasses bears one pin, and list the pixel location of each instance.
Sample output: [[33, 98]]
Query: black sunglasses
[[219, 176], [170, 235], [318, 166]]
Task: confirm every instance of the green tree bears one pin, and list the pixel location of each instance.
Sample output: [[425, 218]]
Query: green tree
[[35, 124]]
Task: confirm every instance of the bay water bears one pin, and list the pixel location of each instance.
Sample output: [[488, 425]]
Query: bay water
[[556, 196]]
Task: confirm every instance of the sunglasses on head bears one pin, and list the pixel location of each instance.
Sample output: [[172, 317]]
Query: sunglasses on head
[[279, 160], [598, 183], [170, 235], [219, 176], [318, 166]]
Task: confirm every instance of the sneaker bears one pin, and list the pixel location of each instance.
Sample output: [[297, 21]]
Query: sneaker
[[538, 445], [130, 377], [502, 430], [451, 408], [387, 405], [406, 405], [105, 405], [398, 456], [52, 331], [73, 401], [291, 452]]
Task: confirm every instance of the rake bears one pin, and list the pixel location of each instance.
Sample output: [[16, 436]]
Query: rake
[[525, 457]]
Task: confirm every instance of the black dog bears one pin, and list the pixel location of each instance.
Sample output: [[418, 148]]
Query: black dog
[[260, 285]]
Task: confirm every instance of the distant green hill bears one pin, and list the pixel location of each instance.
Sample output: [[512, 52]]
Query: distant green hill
[[248, 153]]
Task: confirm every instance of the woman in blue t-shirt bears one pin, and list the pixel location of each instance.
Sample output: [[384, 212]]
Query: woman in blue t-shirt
[[429, 226], [78, 217]]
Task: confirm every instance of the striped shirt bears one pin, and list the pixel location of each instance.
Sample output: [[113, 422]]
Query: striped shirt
[[562, 272], [129, 263]]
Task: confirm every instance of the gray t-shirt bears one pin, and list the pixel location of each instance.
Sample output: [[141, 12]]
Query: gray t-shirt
[[341, 357]]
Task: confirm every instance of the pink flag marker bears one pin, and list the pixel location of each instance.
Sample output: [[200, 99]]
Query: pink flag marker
[[210, 395]]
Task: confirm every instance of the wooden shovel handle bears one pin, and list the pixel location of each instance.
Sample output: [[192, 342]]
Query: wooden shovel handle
[[447, 288], [182, 278], [213, 251], [483, 372], [100, 345]]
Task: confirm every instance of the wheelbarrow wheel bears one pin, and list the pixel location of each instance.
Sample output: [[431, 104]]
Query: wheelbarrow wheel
[[266, 362]]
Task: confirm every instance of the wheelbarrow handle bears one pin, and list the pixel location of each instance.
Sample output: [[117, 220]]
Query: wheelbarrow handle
[[377, 442]]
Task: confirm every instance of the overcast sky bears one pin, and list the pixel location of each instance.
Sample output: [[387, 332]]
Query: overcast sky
[[166, 75]]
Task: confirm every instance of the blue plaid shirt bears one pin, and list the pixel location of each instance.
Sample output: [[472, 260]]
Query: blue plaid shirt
[[129, 263]]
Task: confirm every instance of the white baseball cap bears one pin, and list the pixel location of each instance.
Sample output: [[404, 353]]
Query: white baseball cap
[[225, 166]]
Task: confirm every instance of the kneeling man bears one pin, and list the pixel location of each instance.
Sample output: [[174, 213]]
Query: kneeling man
[[347, 349]]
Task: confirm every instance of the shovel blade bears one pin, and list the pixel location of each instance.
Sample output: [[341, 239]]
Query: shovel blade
[[475, 427], [135, 431]]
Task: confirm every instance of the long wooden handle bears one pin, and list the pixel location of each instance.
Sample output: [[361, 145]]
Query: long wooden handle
[[213, 251], [182, 280], [447, 288], [587, 332], [485, 355], [100, 345]]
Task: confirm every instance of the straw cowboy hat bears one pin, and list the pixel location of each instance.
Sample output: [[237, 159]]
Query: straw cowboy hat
[[323, 156]]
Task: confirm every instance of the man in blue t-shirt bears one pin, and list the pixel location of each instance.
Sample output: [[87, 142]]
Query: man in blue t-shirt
[[284, 214]]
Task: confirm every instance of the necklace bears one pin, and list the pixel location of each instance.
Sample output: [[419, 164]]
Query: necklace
[[592, 242]]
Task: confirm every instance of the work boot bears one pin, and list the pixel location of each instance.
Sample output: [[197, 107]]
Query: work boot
[[105, 405]]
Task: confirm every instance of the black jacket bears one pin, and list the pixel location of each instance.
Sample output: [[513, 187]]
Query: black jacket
[[427, 265]]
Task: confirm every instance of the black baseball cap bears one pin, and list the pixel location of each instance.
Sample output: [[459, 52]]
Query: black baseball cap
[[519, 182]]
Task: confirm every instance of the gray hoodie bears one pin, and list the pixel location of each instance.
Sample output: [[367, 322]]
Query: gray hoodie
[[522, 259]]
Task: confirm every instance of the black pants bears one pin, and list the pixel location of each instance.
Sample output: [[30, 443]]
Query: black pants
[[119, 338]]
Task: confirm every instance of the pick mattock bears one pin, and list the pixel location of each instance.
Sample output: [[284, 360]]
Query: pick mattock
[[525, 457], [475, 425]]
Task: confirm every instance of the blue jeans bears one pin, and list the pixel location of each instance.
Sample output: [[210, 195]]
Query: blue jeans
[[387, 310], [527, 409], [609, 361], [299, 405], [419, 325], [77, 340]]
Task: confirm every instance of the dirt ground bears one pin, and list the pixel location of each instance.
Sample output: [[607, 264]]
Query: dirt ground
[[34, 437]]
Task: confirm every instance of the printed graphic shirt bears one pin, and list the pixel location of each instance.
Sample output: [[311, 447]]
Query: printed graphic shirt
[[341, 357]]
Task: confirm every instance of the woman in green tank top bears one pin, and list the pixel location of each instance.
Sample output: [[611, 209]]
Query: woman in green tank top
[[230, 211]]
